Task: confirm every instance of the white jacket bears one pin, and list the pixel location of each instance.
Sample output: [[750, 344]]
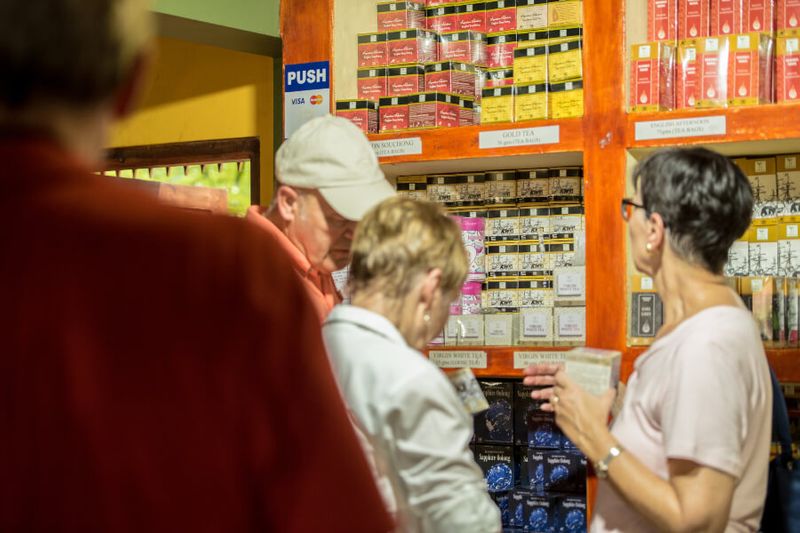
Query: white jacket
[[416, 425]]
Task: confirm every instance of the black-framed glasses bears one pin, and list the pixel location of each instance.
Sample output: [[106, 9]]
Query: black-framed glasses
[[627, 206]]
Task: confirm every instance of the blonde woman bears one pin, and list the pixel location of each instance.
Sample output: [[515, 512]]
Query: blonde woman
[[408, 265]]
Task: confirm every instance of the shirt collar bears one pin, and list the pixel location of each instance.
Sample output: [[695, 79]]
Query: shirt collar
[[300, 261], [366, 319]]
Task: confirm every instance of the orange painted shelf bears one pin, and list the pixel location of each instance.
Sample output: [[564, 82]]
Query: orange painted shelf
[[500, 359], [444, 144], [785, 362], [771, 122]]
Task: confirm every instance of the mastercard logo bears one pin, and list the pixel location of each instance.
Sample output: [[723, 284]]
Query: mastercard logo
[[316, 99]]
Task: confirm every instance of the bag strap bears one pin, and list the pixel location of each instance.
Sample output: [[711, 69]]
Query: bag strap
[[780, 421]]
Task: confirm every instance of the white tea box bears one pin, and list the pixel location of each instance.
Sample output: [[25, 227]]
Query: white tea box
[[569, 325], [469, 330], [593, 369], [570, 285], [499, 329], [536, 325]]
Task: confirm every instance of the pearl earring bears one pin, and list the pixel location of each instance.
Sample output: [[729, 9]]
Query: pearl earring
[[426, 318], [648, 247]]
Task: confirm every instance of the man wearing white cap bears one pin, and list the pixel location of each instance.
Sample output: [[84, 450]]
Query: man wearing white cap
[[328, 178]]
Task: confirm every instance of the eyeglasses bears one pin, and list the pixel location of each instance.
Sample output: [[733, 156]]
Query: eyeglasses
[[627, 206]]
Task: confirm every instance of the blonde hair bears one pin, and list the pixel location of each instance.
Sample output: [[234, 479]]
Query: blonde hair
[[400, 239]]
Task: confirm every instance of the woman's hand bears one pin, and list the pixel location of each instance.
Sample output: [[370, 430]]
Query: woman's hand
[[582, 417]]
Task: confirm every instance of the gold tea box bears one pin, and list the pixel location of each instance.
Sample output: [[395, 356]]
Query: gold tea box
[[789, 246], [536, 326], [566, 184], [569, 325], [532, 259], [763, 249], [502, 293], [566, 99], [762, 174], [502, 259], [530, 102], [788, 177], [593, 369], [533, 185], [443, 189], [564, 61], [501, 187], [414, 187], [530, 38], [738, 263], [497, 105], [530, 65], [570, 286], [532, 14], [499, 329], [559, 250], [560, 35], [564, 13], [536, 291], [534, 222], [566, 219]]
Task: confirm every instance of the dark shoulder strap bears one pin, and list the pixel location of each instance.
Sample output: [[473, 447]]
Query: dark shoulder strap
[[780, 421]]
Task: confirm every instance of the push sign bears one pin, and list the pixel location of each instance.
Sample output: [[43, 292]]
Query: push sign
[[307, 93]]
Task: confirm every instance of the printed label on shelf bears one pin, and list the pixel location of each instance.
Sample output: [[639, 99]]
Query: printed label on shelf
[[395, 147], [524, 359], [681, 127], [519, 137], [458, 359]]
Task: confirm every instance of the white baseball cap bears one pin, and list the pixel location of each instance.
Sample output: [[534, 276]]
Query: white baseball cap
[[330, 154]]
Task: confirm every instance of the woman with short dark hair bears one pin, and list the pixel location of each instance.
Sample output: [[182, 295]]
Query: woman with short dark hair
[[690, 447]]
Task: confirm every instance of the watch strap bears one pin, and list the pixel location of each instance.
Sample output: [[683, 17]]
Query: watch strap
[[601, 466]]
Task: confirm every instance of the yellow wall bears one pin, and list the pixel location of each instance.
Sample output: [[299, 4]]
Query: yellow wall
[[200, 92]]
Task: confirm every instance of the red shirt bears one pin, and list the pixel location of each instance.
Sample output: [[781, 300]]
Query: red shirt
[[320, 286], [160, 370]]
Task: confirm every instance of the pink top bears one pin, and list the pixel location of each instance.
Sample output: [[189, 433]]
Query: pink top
[[701, 393]]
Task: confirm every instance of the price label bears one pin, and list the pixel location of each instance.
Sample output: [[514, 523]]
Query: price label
[[519, 137], [397, 147], [458, 359], [525, 359], [681, 127]]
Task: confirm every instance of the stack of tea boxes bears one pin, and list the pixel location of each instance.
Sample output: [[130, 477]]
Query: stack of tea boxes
[[763, 265], [534, 473], [716, 53], [443, 64], [524, 234]]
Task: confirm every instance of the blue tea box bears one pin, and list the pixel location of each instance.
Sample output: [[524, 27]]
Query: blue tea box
[[521, 478], [567, 444], [496, 424], [523, 404], [497, 463], [536, 474], [503, 502], [533, 511], [543, 432], [532, 426], [571, 511], [564, 472]]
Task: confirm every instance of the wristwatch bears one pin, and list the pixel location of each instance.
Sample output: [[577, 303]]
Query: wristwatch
[[601, 466]]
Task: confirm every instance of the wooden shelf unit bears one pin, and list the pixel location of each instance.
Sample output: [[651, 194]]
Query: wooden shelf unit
[[603, 141]]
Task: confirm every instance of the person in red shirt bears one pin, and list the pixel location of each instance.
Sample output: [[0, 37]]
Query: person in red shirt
[[160, 370], [328, 177]]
